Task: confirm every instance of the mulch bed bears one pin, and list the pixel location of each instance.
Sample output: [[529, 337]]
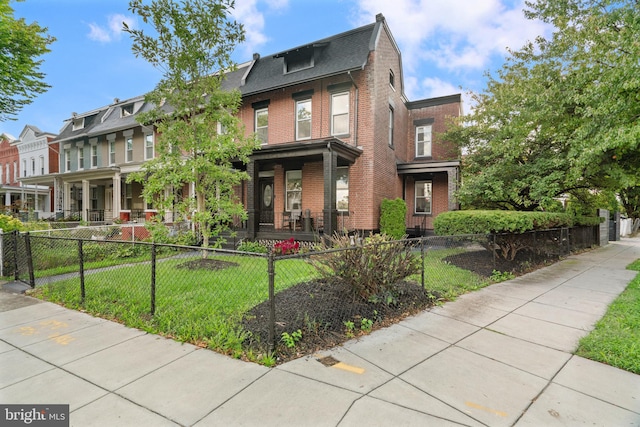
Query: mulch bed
[[319, 309]]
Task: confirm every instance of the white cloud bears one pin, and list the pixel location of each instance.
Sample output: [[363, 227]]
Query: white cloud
[[113, 29], [247, 13]]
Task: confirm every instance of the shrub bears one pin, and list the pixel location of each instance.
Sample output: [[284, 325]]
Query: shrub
[[392, 218], [9, 223], [255, 247], [490, 222], [373, 269], [286, 247]]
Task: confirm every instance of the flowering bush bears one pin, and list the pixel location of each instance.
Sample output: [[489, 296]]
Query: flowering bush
[[9, 223], [286, 247]]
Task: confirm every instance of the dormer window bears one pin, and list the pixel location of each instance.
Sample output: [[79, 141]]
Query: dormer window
[[300, 58], [126, 110], [297, 63], [78, 123]]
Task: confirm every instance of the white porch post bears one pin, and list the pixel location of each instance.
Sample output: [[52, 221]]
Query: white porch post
[[85, 199], [117, 195], [7, 198], [66, 198]]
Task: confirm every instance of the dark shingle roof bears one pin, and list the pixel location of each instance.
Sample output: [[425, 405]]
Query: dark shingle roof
[[337, 54]]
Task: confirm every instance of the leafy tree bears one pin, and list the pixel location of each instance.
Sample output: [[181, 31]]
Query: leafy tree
[[561, 116], [199, 132], [20, 46]]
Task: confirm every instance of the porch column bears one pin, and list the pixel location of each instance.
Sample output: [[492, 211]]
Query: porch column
[[253, 170], [329, 213], [7, 198], [66, 199], [58, 195], [452, 176], [85, 200], [116, 196]]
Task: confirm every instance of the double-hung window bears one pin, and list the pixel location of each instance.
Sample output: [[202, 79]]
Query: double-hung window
[[81, 158], [129, 145], [41, 165], [94, 156], [390, 126], [294, 190], [24, 167], [67, 160], [303, 119], [112, 152], [148, 146], [342, 189], [340, 113], [423, 141], [262, 125], [423, 197]]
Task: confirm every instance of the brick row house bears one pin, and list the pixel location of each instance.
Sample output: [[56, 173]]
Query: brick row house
[[338, 136], [27, 166]]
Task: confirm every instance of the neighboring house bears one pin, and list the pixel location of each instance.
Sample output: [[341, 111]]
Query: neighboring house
[[38, 162], [97, 151], [9, 174], [338, 136]]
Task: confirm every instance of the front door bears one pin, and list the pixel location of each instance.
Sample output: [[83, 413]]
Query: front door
[[266, 201]]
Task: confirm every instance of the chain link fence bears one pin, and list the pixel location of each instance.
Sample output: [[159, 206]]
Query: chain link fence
[[268, 304]]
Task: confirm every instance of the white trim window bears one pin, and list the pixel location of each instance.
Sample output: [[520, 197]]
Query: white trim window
[[340, 113], [24, 167], [67, 160], [15, 171], [262, 125], [391, 123], [303, 119], [112, 152], [8, 173], [94, 156], [148, 146], [342, 189], [42, 171], [129, 146], [81, 158], [423, 141], [294, 190], [423, 197]]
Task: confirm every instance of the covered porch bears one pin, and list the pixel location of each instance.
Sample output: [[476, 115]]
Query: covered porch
[[298, 189]]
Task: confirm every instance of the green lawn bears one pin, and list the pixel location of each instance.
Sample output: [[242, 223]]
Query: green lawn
[[616, 337], [206, 306], [194, 305]]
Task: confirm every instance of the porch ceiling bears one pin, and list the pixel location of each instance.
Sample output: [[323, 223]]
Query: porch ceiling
[[310, 148], [427, 167]]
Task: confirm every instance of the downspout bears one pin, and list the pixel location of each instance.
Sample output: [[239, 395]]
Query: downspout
[[355, 113]]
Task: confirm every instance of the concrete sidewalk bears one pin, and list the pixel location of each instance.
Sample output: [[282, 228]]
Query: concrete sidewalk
[[500, 356]]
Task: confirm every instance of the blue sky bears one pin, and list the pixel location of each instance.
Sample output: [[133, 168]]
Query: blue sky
[[447, 45]]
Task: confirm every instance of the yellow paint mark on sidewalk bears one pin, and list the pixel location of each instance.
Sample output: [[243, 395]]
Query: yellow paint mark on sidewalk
[[62, 339], [348, 368], [484, 408]]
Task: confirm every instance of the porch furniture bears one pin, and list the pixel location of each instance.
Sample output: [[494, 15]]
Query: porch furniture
[[291, 220]]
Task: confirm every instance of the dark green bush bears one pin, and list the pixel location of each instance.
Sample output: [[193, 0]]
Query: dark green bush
[[392, 218], [490, 222], [372, 270]]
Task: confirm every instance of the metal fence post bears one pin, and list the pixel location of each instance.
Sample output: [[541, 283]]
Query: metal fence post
[[153, 278], [16, 272], [81, 263], [1, 252], [27, 244], [422, 256], [271, 271]]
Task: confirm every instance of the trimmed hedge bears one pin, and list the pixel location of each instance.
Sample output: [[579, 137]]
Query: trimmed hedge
[[488, 222], [392, 218]]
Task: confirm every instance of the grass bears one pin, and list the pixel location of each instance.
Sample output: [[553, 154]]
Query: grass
[[205, 307], [192, 305], [446, 280], [616, 337]]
